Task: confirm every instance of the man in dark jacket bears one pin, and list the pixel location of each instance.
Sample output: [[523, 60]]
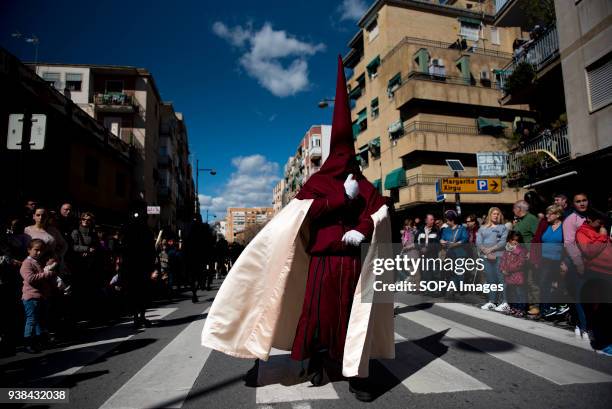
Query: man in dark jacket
[[138, 247]]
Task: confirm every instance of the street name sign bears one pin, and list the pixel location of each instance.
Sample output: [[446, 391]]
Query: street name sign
[[471, 185], [153, 209]]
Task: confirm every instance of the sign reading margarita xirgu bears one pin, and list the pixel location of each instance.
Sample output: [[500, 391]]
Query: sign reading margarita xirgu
[[471, 185]]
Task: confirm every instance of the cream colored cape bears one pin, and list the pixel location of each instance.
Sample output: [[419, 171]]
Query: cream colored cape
[[260, 301]]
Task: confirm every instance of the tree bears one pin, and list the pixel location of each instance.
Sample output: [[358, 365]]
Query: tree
[[539, 12]]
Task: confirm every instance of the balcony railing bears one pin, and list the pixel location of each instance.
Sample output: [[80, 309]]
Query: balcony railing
[[539, 151], [315, 152], [441, 44], [423, 180], [436, 127], [448, 79], [539, 53], [115, 99]]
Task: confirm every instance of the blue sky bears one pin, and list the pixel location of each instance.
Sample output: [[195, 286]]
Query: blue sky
[[247, 75]]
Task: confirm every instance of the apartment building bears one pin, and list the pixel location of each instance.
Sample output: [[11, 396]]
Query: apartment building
[[310, 154], [175, 191], [240, 219], [127, 102], [424, 86], [277, 196], [562, 70], [79, 161]]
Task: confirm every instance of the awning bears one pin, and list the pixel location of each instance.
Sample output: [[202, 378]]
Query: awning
[[395, 80], [355, 93], [377, 184], [468, 20], [362, 115], [374, 143], [356, 130], [489, 123], [373, 65], [395, 179], [395, 126]]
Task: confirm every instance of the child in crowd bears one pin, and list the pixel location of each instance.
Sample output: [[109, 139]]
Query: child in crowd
[[512, 266], [38, 284]]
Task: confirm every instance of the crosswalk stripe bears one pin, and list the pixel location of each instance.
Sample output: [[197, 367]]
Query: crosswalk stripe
[[94, 350], [533, 328], [429, 373], [556, 370], [168, 377], [281, 382]]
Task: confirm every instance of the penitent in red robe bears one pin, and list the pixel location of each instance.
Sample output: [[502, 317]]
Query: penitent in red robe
[[334, 266]]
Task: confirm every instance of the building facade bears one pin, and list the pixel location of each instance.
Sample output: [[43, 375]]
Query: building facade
[[80, 161], [562, 70], [126, 101], [240, 219], [424, 87]]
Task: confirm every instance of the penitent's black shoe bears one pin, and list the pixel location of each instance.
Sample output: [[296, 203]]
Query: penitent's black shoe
[[362, 389], [316, 369]]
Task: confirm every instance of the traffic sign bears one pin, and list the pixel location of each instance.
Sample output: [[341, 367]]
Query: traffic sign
[[471, 185], [440, 197], [14, 140]]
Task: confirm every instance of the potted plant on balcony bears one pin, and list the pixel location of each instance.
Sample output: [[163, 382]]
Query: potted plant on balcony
[[521, 78]]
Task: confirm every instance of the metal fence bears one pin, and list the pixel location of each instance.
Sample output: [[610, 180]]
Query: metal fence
[[439, 127], [548, 142]]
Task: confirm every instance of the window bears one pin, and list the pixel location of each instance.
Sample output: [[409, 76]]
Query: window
[[113, 124], [120, 184], [495, 36], [599, 82], [114, 86], [470, 29], [374, 108], [372, 67], [92, 169], [362, 156], [421, 58], [73, 81], [362, 120], [394, 84], [374, 147], [52, 78], [372, 30]]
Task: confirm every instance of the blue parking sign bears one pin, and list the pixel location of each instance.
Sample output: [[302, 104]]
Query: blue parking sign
[[482, 184]]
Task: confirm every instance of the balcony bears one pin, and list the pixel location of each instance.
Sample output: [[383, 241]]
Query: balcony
[[539, 53], [444, 137], [546, 150], [116, 102], [462, 90], [315, 152], [421, 188]]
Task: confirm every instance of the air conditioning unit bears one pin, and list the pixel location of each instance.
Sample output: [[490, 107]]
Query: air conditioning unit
[[485, 75]]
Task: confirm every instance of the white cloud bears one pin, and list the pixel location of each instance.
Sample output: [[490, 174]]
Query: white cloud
[[250, 185], [352, 9], [263, 51]]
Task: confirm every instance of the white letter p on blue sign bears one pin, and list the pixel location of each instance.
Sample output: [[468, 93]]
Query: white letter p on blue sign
[[482, 184]]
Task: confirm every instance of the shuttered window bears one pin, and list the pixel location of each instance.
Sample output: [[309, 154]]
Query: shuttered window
[[599, 82]]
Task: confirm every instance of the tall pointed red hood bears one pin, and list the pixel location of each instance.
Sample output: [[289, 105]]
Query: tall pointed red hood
[[341, 160]]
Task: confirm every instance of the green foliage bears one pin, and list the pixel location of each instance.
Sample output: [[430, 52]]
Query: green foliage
[[539, 11], [523, 76]]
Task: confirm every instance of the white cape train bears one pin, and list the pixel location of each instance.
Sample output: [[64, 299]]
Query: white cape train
[[260, 301]]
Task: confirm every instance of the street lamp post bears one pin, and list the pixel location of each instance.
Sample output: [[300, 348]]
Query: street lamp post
[[212, 171]]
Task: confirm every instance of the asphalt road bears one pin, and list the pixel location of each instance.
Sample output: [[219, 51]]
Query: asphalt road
[[447, 356]]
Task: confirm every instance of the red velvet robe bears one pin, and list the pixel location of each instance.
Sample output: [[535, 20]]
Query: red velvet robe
[[334, 266]]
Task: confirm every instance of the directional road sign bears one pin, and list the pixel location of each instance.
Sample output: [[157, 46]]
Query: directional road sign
[[471, 185]]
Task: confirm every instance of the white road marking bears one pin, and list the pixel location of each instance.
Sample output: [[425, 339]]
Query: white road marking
[[428, 372], [556, 370], [169, 376], [531, 327]]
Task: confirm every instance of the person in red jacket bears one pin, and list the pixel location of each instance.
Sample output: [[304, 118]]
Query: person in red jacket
[[38, 284], [594, 244]]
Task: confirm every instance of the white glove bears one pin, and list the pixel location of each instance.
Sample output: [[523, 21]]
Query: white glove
[[351, 187], [353, 238]]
